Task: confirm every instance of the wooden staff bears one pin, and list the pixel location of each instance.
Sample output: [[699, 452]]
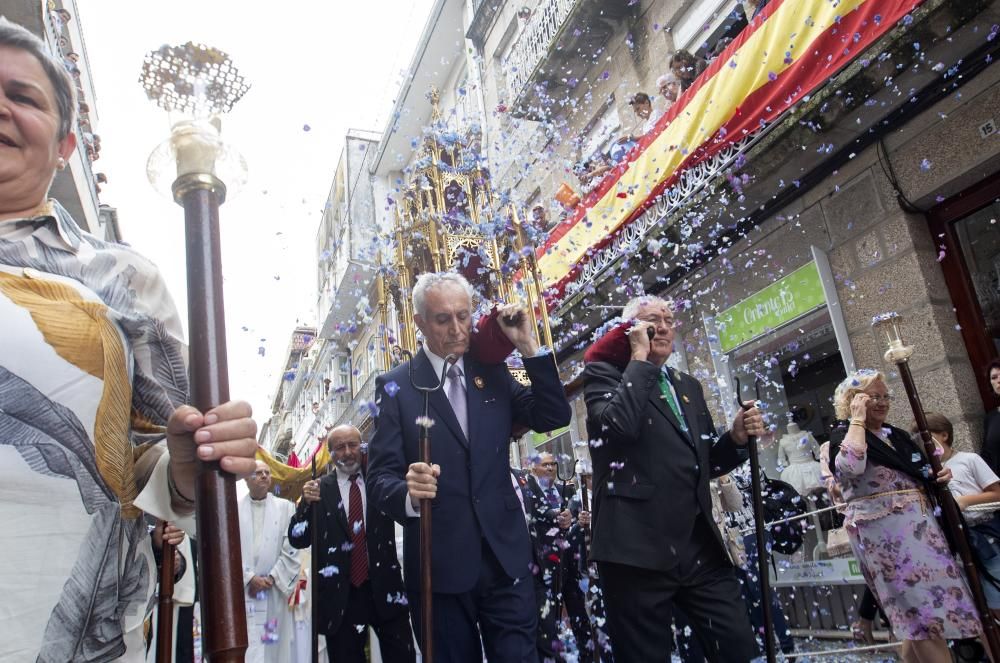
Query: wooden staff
[[888, 324], [557, 577], [314, 571], [951, 513], [223, 607], [426, 577], [165, 605], [585, 506], [424, 449], [764, 577]]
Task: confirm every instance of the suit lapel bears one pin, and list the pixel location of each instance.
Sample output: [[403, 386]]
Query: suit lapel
[[440, 406]]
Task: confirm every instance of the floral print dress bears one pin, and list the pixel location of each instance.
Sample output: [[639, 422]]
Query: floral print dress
[[903, 553]]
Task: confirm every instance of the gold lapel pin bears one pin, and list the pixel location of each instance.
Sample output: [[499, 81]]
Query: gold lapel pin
[[685, 398], [479, 382]]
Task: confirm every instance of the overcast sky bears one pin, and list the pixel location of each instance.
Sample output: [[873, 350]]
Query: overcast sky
[[316, 69]]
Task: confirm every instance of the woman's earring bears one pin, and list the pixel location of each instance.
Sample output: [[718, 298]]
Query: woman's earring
[[61, 164]]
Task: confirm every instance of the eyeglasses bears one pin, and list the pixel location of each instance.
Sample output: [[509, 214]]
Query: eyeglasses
[[880, 399], [656, 320], [549, 464]]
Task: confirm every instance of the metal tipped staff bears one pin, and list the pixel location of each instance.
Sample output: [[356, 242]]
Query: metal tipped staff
[[759, 531], [196, 84], [585, 506], [557, 578], [424, 449], [165, 604], [899, 354], [314, 572]]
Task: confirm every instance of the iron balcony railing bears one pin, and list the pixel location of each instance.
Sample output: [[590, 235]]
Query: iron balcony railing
[[534, 43]]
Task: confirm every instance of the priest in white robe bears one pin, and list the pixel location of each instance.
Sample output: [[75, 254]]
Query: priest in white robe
[[270, 570]]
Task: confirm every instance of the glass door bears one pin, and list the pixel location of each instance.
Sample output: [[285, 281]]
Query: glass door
[[966, 230]]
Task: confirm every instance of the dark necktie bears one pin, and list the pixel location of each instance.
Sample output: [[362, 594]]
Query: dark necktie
[[668, 395], [456, 396], [356, 519]]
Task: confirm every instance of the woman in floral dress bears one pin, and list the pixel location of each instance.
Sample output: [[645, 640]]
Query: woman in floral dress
[[903, 553]]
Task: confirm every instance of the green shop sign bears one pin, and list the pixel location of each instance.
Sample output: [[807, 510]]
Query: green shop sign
[[784, 300], [538, 439]]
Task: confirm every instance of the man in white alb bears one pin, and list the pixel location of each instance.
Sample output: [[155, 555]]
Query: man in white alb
[[270, 570]]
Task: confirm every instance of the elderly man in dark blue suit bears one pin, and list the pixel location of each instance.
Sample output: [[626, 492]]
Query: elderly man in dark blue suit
[[481, 553]]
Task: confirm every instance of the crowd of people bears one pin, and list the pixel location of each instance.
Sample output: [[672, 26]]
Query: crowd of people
[[647, 110], [100, 453]]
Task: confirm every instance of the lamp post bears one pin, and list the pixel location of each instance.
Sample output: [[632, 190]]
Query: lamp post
[[196, 84], [888, 326]]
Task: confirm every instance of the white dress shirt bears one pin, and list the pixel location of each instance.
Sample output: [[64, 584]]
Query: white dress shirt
[[344, 483], [437, 363]]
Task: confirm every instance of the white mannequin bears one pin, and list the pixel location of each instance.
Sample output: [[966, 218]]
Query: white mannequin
[[797, 452]]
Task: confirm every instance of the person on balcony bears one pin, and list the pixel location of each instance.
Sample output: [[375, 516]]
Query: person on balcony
[[686, 67], [591, 172], [481, 551], [642, 106], [654, 448], [669, 86]]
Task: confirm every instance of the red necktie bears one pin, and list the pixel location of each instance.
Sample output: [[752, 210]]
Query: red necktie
[[356, 520]]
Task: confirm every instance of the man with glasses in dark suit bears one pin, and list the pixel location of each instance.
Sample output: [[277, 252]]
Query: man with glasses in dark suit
[[654, 449]]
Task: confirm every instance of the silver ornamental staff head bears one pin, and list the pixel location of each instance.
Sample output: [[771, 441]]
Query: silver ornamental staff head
[[888, 326], [192, 78]]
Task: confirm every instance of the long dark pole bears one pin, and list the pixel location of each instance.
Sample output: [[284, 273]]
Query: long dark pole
[[557, 577], [762, 554], [585, 506], [314, 572], [223, 608], [952, 517], [165, 605], [759, 536], [426, 585]]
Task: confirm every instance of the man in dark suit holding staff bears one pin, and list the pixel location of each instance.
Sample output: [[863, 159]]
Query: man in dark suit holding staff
[[481, 553], [359, 583], [654, 449]]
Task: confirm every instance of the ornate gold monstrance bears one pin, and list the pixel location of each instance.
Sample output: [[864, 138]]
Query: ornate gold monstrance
[[448, 218]]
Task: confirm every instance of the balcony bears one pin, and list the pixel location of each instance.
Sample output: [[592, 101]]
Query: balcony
[[347, 286], [547, 54]]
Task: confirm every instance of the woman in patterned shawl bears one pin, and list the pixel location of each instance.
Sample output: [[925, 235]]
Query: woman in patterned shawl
[[93, 427], [890, 522]]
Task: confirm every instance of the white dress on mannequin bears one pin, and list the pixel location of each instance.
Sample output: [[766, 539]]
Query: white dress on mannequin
[[796, 451]]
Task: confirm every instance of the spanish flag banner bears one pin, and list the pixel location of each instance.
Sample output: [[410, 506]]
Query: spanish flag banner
[[789, 50]]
